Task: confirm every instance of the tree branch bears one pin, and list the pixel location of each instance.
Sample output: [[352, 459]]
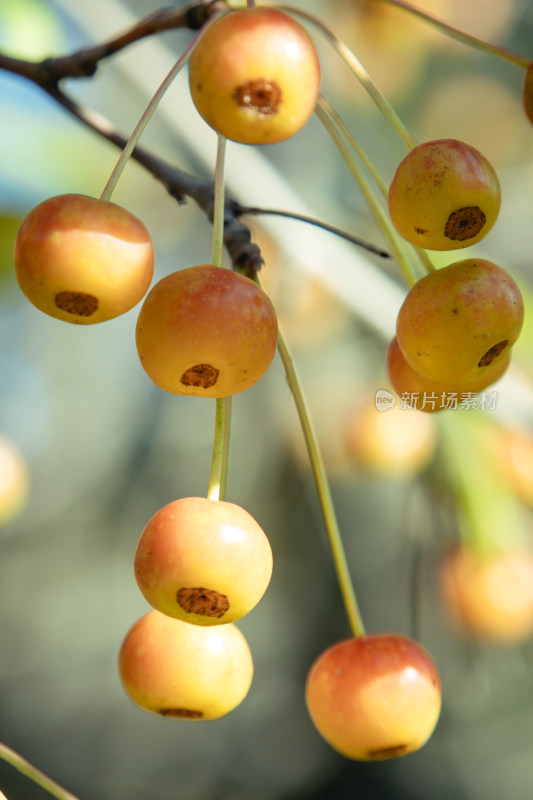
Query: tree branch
[[49, 73]]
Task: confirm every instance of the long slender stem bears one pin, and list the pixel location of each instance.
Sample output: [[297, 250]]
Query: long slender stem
[[354, 64], [349, 237], [460, 35], [375, 174], [220, 458], [150, 109], [324, 493], [382, 219], [34, 774]]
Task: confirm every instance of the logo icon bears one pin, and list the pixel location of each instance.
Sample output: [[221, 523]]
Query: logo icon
[[384, 400]]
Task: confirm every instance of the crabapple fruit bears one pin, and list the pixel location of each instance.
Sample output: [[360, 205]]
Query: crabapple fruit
[[512, 449], [83, 260], [426, 394], [390, 440], [374, 697], [444, 195], [203, 561], [179, 670], [206, 331], [490, 596], [458, 323], [255, 76]]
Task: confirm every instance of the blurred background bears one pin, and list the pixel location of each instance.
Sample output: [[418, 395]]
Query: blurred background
[[90, 449]]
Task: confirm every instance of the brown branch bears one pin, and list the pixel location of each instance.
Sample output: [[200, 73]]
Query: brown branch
[[50, 72], [84, 63]]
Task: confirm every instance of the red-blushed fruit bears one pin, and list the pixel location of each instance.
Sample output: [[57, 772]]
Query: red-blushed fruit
[[425, 394], [83, 260], [458, 322], [490, 596], [444, 195], [374, 697], [255, 76], [527, 95], [14, 481], [179, 670], [206, 331], [207, 562], [390, 440]]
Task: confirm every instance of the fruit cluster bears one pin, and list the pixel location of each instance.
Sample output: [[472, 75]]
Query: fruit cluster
[[457, 325], [202, 563]]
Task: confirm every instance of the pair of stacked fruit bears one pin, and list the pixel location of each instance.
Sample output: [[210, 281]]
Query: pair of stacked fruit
[[202, 331], [457, 325]]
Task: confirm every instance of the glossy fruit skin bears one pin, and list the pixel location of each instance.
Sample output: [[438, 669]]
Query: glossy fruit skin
[[428, 395], [459, 322], [206, 331], [444, 195], [83, 260], [491, 597], [255, 76], [174, 669], [204, 561], [374, 697]]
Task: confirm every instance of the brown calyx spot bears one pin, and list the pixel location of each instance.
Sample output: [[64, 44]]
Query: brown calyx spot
[[389, 752], [492, 353], [205, 602], [262, 95], [464, 223], [184, 713], [203, 375], [84, 305]]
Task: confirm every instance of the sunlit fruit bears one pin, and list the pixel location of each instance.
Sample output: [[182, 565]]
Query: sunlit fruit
[[389, 439], [204, 561], [490, 596], [444, 195], [374, 697], [428, 395], [458, 322], [14, 480], [186, 671], [255, 76], [83, 260], [206, 331]]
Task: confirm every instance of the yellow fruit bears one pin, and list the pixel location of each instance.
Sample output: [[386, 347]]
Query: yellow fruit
[[174, 669]]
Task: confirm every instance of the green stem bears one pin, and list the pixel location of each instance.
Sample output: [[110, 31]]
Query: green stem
[[220, 458], [218, 204], [34, 774], [323, 111], [353, 63], [490, 517], [324, 493], [150, 109], [460, 35], [219, 463]]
